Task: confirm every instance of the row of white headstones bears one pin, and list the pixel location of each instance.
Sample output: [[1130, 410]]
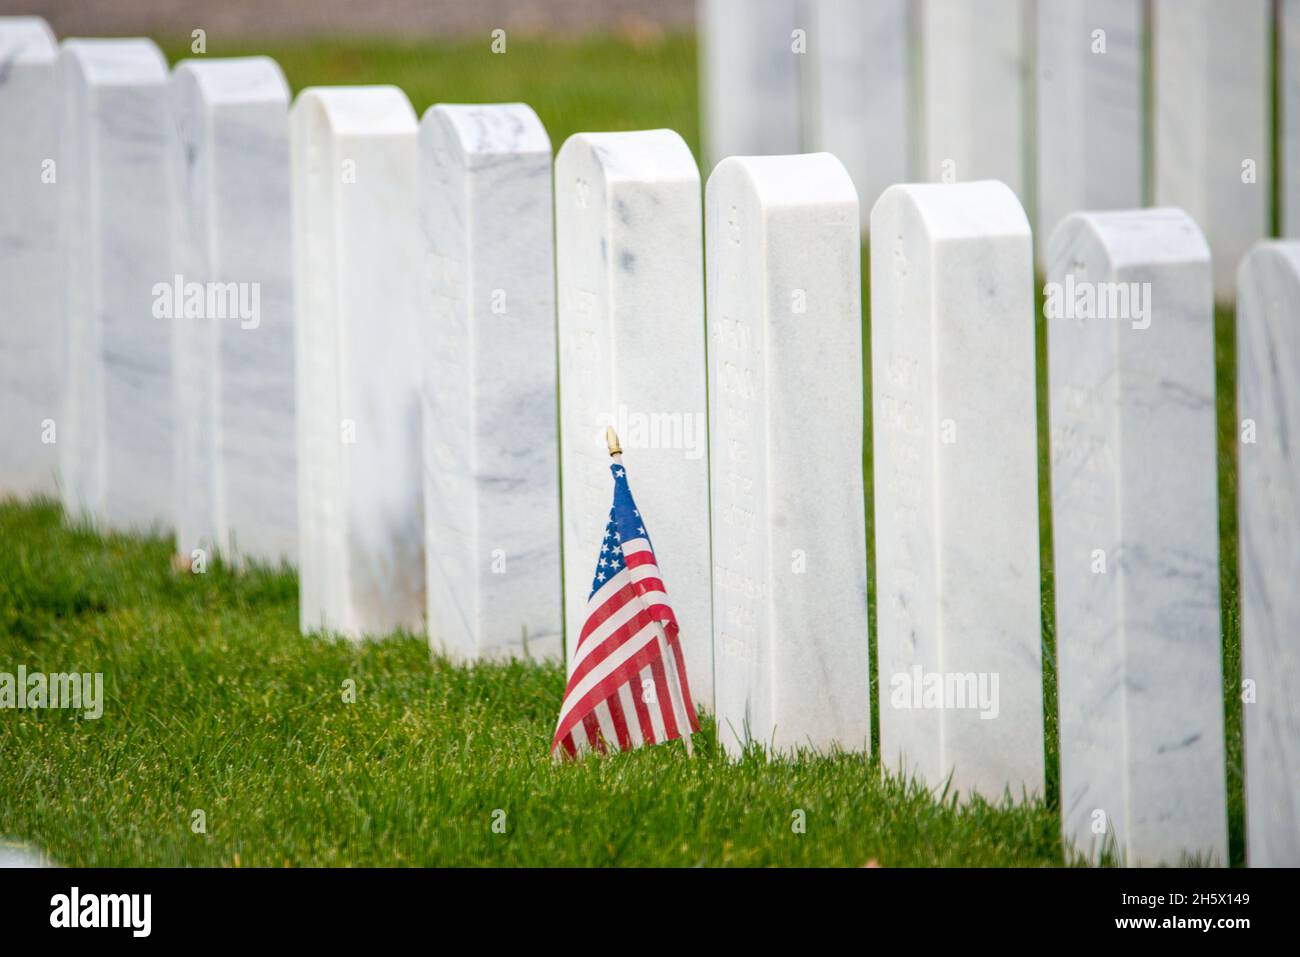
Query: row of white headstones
[[1048, 96], [408, 276]]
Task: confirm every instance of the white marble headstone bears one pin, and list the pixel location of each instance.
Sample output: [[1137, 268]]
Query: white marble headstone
[[1289, 113], [115, 439], [31, 301], [357, 314], [491, 470], [959, 626], [236, 480], [857, 91], [792, 668], [1135, 537], [749, 76], [630, 282], [1212, 98], [1090, 110], [1268, 492], [973, 102]]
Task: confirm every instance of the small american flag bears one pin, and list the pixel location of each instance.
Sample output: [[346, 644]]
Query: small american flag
[[627, 683]]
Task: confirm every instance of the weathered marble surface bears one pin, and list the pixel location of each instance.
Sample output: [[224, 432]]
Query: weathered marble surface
[[491, 469], [749, 77], [973, 72], [1134, 486], [1211, 91], [236, 476], [1090, 110], [115, 438], [630, 282], [956, 494], [857, 98], [357, 314], [31, 305], [785, 396], [1289, 114], [1268, 493]]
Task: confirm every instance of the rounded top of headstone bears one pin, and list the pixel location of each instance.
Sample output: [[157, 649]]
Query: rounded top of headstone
[[380, 109], [1146, 237], [979, 208], [24, 39], [116, 62], [251, 79], [487, 129], [1281, 255], [656, 156], [799, 179]]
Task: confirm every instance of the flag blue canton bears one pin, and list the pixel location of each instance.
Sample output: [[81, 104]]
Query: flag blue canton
[[628, 643], [624, 525]]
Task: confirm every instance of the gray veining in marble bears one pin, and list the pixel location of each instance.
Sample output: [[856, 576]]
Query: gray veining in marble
[[491, 458], [630, 286], [958, 611], [115, 440], [785, 396], [1268, 495], [357, 304], [1135, 538], [31, 313], [236, 449]]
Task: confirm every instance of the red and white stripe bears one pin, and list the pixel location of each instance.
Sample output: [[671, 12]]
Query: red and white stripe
[[628, 647]]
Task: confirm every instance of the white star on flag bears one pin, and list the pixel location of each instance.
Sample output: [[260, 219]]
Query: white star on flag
[[627, 682]]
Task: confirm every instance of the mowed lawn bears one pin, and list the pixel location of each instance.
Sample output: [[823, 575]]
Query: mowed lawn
[[214, 702], [308, 751]]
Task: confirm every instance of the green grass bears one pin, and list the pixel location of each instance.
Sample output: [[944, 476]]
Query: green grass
[[576, 85], [214, 702]]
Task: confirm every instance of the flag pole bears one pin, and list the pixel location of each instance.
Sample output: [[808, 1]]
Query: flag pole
[[616, 453]]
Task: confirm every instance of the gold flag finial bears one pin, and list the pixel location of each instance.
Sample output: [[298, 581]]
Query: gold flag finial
[[611, 439]]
